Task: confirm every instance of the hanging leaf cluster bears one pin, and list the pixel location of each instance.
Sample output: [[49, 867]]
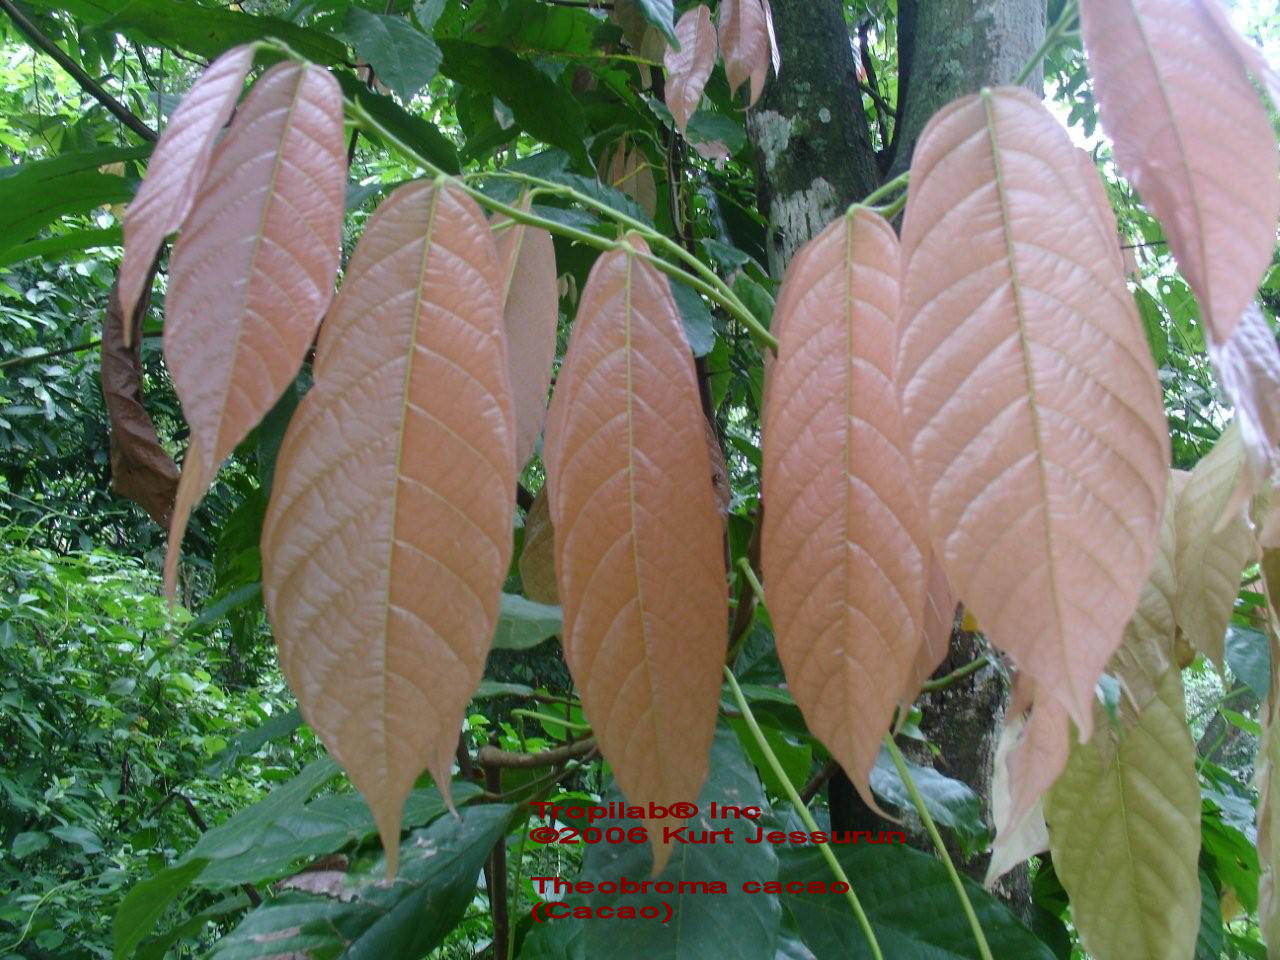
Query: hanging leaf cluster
[[965, 412]]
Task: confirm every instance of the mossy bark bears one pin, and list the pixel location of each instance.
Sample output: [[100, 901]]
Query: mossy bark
[[812, 145]]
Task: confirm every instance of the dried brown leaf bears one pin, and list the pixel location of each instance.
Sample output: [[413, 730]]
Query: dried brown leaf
[[638, 539], [1030, 399], [388, 535], [141, 469]]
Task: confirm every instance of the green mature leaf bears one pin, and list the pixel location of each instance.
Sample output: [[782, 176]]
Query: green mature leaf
[[251, 741], [910, 901], [712, 926], [1234, 859], [209, 31], [411, 130], [56, 247], [1124, 831], [557, 940], [662, 15], [696, 317], [86, 840], [158, 947], [240, 832], [1210, 940], [403, 58], [375, 920], [491, 688], [147, 902], [755, 297], [796, 759], [523, 624], [33, 195], [323, 826], [950, 802], [1249, 657], [539, 105], [1152, 323], [25, 844], [237, 598], [534, 26]]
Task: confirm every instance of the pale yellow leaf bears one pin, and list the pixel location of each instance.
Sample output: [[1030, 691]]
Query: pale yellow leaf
[[1030, 400], [1124, 822], [388, 535], [1014, 842], [1214, 544]]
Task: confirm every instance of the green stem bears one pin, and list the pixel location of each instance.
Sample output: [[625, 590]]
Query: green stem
[[548, 718], [745, 566], [1055, 35], [983, 949], [886, 189], [973, 666], [803, 811], [722, 292]]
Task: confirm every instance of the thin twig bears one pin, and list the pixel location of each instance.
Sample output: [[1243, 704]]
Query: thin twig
[[815, 783], [87, 83], [492, 757]]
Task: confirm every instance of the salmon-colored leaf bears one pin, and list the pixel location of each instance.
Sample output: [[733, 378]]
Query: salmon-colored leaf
[[1214, 544], [1148, 647], [388, 534], [844, 541], [639, 548], [537, 556], [745, 44], [939, 618], [1037, 752], [1030, 400], [1248, 368], [689, 67], [177, 168], [252, 272], [141, 469], [531, 313], [627, 169], [1193, 136]]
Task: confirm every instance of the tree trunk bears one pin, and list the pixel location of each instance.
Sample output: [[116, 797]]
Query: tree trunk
[[950, 48], [812, 145], [815, 156]]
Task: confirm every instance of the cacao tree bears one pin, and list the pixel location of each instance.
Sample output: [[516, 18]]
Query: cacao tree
[[720, 479]]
